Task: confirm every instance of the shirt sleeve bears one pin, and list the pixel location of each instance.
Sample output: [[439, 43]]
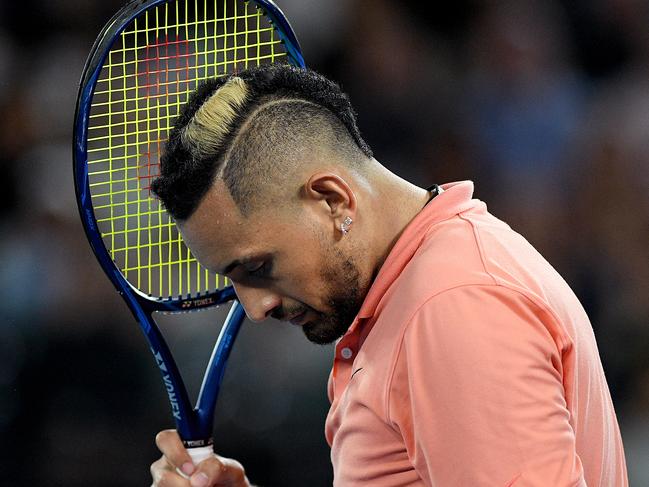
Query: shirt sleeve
[[477, 392]]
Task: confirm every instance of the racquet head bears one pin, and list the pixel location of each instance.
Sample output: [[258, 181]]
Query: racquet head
[[148, 60]]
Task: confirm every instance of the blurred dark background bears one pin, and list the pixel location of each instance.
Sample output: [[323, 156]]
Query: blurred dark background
[[544, 104]]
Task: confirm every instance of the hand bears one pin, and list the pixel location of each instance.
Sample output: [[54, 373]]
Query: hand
[[213, 472]]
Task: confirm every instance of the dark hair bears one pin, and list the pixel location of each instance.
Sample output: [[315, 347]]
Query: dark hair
[[186, 174]]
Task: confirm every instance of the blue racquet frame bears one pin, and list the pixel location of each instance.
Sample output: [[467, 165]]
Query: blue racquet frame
[[194, 423]]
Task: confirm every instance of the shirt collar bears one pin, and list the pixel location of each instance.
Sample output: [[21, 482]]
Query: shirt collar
[[455, 199]]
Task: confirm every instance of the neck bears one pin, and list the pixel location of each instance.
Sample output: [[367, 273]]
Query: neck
[[396, 202]]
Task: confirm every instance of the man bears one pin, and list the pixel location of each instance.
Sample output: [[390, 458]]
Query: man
[[463, 358]]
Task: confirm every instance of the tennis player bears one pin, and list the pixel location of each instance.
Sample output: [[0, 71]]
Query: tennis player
[[462, 358]]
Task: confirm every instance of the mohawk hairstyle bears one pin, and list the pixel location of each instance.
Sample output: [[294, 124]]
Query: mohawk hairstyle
[[239, 127]]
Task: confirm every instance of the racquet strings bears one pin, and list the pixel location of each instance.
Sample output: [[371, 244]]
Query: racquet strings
[[149, 73]]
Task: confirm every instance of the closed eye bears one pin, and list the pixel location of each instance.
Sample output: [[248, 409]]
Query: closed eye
[[259, 270]]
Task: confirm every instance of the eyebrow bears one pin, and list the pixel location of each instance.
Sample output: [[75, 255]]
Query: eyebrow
[[230, 267], [244, 260]]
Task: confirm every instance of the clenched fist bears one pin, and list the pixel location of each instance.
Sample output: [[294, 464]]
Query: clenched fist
[[175, 467]]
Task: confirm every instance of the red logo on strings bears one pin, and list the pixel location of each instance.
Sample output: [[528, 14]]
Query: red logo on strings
[[165, 74]]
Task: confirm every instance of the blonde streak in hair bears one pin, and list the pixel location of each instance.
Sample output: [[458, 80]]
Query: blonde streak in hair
[[211, 123]]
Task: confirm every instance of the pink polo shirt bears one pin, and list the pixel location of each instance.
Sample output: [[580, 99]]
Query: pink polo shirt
[[471, 363]]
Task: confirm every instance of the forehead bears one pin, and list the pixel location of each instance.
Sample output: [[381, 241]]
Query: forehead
[[217, 231]]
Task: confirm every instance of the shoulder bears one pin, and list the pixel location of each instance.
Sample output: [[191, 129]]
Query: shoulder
[[481, 311], [448, 257], [472, 248]]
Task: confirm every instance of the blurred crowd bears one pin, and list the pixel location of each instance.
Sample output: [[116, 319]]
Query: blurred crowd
[[543, 104]]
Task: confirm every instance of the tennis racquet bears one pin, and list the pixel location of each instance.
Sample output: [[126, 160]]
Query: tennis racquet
[[142, 68]]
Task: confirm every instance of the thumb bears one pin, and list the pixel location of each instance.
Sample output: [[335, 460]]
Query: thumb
[[219, 471]]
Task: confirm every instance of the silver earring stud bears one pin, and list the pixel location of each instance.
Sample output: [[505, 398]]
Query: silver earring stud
[[344, 226]]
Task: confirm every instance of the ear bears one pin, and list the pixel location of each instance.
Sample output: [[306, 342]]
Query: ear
[[333, 194]]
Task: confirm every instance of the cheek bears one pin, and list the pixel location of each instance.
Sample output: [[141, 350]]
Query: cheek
[[302, 265], [304, 282]]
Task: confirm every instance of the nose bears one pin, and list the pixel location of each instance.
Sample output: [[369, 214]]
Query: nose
[[258, 303]]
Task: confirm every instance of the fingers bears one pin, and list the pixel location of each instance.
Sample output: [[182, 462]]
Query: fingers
[[175, 468], [164, 475], [172, 448], [219, 471]]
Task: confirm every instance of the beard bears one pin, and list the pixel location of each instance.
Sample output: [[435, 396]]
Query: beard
[[345, 295]]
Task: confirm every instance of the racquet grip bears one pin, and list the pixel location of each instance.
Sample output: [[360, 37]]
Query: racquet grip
[[200, 453]]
